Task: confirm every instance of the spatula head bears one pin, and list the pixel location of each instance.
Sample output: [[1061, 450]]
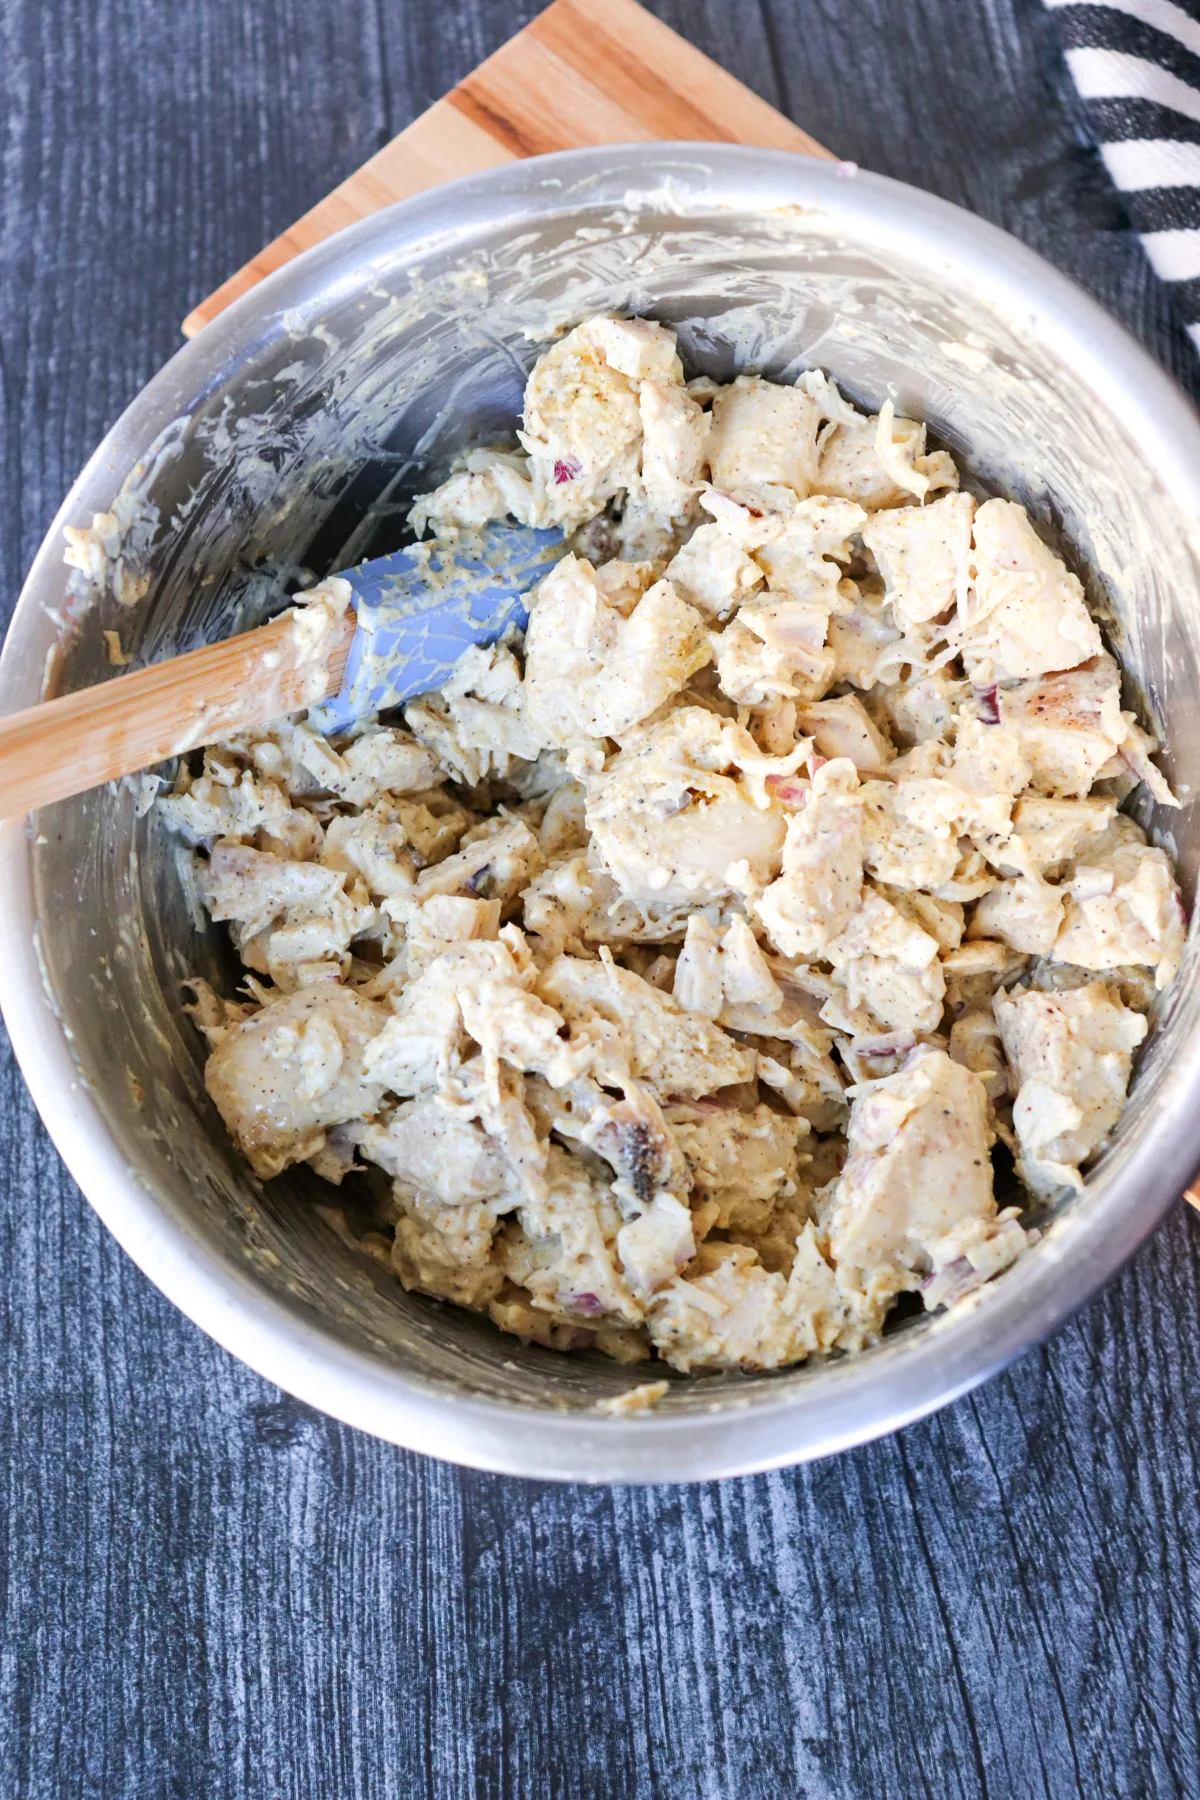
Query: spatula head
[[419, 608]]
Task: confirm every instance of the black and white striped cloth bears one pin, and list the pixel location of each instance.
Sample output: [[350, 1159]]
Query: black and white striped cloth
[[1136, 66]]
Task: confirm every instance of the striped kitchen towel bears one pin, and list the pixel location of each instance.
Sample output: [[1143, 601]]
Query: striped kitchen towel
[[1136, 66]]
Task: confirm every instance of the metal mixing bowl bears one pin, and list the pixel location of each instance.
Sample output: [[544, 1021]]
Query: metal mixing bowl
[[285, 437]]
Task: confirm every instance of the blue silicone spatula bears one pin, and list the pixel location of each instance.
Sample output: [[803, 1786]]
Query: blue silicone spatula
[[413, 614], [418, 610]]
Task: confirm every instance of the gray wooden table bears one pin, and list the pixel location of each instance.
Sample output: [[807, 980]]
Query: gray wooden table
[[207, 1590]]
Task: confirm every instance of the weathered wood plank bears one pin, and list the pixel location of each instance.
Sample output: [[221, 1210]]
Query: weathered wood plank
[[206, 1589]]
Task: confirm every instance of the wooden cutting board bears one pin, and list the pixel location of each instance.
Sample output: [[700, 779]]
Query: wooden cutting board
[[583, 72]]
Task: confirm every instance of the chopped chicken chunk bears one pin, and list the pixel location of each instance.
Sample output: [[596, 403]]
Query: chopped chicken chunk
[[845, 728], [431, 925], [564, 1252], [382, 760], [235, 804], [889, 965], [593, 671], [763, 434], [713, 573], [1028, 615], [1071, 1055], [477, 994], [819, 889], [674, 818], [803, 548], [674, 441], [915, 1196], [975, 1043], [742, 1161], [496, 862], [1123, 907], [486, 485], [583, 425], [389, 843], [1052, 832], [656, 1245], [728, 1311], [1068, 725], [1025, 913], [671, 1050], [716, 971], [432, 1147], [282, 1077], [924, 555], [921, 707], [911, 831], [285, 914], [880, 462], [774, 647]]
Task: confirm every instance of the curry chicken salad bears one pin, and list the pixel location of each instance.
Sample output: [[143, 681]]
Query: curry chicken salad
[[666, 981]]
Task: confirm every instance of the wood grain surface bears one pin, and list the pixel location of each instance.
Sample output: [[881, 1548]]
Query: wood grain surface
[[207, 1591]]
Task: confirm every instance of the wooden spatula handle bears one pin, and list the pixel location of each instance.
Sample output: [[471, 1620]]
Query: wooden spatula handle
[[66, 746]]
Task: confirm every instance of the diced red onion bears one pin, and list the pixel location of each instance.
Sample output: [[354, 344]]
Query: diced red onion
[[566, 469], [885, 1046], [988, 702], [952, 1283], [788, 790]]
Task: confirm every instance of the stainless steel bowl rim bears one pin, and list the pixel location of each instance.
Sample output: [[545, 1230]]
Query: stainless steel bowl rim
[[854, 1400]]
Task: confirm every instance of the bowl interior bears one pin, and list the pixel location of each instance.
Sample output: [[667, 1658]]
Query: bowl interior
[[289, 448]]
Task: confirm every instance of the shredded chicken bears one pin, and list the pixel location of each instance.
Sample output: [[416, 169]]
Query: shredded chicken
[[661, 984]]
